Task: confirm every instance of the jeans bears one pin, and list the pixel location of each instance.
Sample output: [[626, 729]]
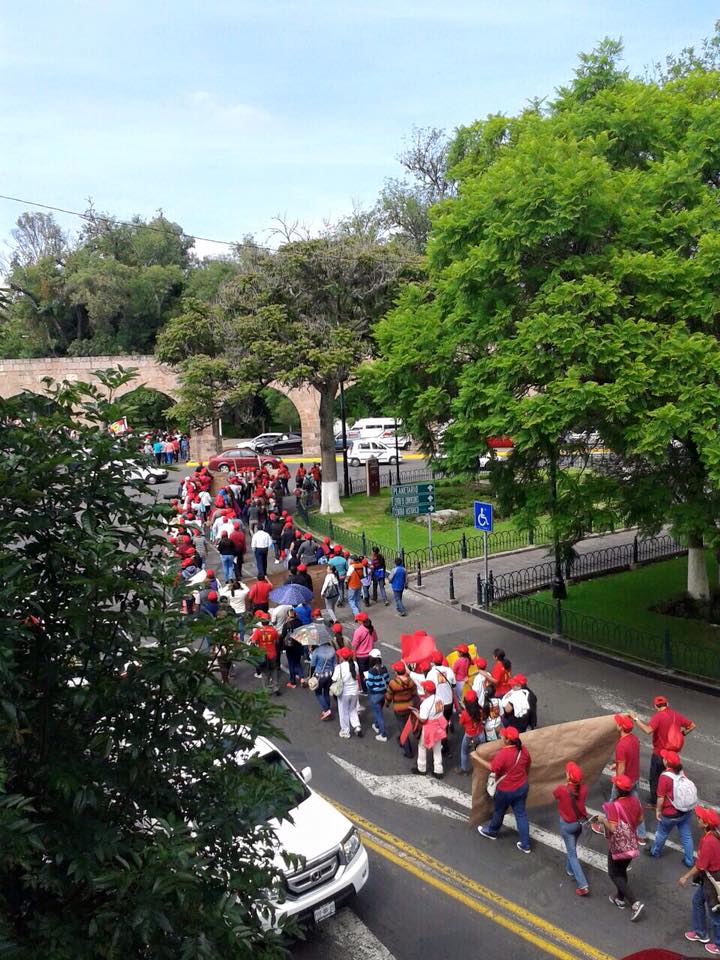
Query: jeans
[[354, 599], [397, 596], [228, 562], [656, 768], [261, 561], [376, 702], [379, 585], [341, 587], [570, 833], [664, 829], [641, 828], [617, 871], [295, 667], [699, 917], [465, 749], [515, 799], [323, 691], [241, 627]]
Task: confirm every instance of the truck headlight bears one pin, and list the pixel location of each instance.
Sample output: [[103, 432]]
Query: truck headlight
[[351, 845]]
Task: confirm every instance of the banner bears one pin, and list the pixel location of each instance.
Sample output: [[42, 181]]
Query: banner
[[119, 426], [416, 646], [588, 742]]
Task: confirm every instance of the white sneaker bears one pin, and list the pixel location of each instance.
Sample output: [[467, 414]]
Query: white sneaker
[[381, 738], [344, 734], [376, 728]]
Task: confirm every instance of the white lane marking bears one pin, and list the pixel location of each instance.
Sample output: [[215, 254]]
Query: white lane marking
[[384, 643], [352, 939], [417, 791], [650, 834]]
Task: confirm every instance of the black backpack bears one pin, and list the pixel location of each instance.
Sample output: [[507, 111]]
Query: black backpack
[[532, 707]]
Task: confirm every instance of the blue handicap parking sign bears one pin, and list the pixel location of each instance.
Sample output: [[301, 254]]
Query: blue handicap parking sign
[[483, 513]]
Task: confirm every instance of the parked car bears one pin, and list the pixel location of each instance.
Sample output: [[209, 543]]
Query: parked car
[[362, 450], [149, 474], [339, 443], [239, 460], [278, 443], [335, 864]]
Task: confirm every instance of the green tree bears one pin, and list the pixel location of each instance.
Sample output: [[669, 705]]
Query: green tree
[[573, 287], [129, 828]]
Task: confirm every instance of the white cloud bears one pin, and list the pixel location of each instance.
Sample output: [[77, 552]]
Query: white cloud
[[229, 114]]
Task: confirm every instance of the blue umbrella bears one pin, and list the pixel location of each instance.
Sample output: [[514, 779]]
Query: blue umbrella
[[292, 593]]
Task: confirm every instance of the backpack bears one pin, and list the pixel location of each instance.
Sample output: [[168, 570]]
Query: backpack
[[623, 840], [675, 739], [532, 709], [684, 795]]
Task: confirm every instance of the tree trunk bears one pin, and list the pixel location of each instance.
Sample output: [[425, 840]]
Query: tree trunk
[[330, 501], [697, 579]]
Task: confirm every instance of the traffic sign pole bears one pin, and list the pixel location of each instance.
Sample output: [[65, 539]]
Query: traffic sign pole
[[429, 522], [485, 555], [397, 532]]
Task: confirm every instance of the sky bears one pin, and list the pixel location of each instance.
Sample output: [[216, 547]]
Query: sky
[[227, 113]]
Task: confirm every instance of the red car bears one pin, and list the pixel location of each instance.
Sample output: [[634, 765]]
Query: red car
[[240, 460]]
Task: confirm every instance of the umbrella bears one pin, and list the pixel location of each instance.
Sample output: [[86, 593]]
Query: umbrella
[[311, 634], [292, 593]]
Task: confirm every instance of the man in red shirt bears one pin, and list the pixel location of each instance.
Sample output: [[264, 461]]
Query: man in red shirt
[[707, 859], [668, 814], [237, 538], [260, 594], [266, 637], [662, 726]]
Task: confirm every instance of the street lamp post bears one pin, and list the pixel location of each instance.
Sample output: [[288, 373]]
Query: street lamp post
[[346, 476], [397, 454]]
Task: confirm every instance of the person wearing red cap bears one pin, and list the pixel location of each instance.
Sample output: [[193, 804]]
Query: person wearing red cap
[[338, 639], [266, 637], [501, 672], [620, 818], [676, 800], [668, 729], [511, 766], [570, 797], [517, 706], [433, 726], [444, 679], [705, 866], [401, 695], [473, 723], [461, 668], [364, 639], [627, 761], [346, 673]]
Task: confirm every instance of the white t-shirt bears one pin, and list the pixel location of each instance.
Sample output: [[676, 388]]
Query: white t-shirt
[[261, 540], [279, 615], [428, 707], [520, 702], [444, 680], [236, 600], [350, 685]]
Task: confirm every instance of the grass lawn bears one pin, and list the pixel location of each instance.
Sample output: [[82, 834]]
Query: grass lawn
[[372, 515], [627, 598]]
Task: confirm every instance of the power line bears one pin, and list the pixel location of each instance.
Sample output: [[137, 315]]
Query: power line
[[113, 221]]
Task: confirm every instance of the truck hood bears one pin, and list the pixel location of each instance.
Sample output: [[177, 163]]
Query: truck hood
[[317, 827]]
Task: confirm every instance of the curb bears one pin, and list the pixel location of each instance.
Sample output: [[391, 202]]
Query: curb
[[579, 649]]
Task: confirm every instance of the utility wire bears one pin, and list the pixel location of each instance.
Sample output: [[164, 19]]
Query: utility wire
[[113, 221]]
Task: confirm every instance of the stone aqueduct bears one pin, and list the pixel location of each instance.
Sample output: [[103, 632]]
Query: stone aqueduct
[[17, 376]]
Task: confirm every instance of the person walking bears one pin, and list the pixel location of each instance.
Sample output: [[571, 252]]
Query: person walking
[[226, 550], [668, 729], [266, 638], [620, 819], [379, 571], [473, 724], [570, 798], [511, 767], [238, 540], [401, 695], [330, 592], [432, 731], [627, 761], [364, 640], [354, 585], [705, 866], [322, 666], [398, 582], [340, 565], [676, 800], [346, 673], [236, 594], [260, 544], [259, 594], [377, 679], [515, 705]]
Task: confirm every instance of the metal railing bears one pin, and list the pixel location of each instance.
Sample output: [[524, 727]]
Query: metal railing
[[388, 478], [673, 653]]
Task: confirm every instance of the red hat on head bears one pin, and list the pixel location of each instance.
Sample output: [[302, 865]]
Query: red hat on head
[[436, 657], [346, 553], [518, 680], [298, 533], [336, 628], [284, 513], [316, 612], [302, 568], [480, 662], [510, 733], [462, 648], [624, 722], [308, 536], [337, 548], [672, 758], [186, 563], [326, 539], [212, 594], [361, 617], [344, 652], [210, 573], [574, 772], [364, 561], [623, 782], [262, 615], [709, 817], [428, 686], [470, 697], [660, 701], [399, 667], [423, 666], [236, 524]]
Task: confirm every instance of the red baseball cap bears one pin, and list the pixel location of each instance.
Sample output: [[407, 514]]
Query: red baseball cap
[[660, 701], [574, 772], [480, 662], [336, 628], [212, 594], [337, 548], [210, 573], [510, 733], [301, 567], [708, 816], [462, 648], [518, 680], [623, 782], [361, 617], [326, 539], [436, 657], [470, 697], [624, 722], [316, 612], [428, 686], [262, 615], [399, 667], [671, 757], [308, 536]]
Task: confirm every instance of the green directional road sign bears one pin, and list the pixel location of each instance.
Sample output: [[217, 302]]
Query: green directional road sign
[[411, 499]]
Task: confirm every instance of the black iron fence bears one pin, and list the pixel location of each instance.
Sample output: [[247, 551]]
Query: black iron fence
[[696, 659], [388, 478]]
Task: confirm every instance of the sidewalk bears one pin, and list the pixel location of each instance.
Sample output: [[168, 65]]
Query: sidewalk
[[435, 582]]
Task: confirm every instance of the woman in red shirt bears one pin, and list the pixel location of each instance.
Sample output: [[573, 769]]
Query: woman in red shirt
[[501, 672], [511, 765], [570, 797], [707, 859], [620, 814], [473, 723]]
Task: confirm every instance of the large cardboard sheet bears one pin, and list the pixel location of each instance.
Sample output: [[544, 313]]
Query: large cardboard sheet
[[587, 742]]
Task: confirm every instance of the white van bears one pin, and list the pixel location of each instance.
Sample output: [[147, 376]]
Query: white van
[[335, 865], [360, 451], [379, 428]]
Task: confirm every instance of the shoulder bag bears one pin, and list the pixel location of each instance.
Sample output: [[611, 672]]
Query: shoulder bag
[[493, 783], [622, 843]]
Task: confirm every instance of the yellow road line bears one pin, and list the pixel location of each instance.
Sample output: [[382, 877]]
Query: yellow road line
[[444, 878]]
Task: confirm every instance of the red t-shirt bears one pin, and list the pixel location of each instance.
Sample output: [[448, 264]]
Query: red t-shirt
[[471, 727], [708, 855], [627, 749], [266, 638], [260, 591], [565, 804], [660, 725], [504, 762], [665, 790], [631, 807], [501, 676]]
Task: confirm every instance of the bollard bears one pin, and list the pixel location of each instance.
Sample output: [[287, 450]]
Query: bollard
[[364, 544], [635, 550], [479, 589], [419, 574], [463, 547], [667, 652], [451, 585]]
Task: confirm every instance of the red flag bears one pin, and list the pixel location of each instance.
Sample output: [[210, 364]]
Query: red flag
[[416, 646], [406, 730]]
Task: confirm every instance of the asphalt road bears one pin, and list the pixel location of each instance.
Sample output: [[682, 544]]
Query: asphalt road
[[436, 888]]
